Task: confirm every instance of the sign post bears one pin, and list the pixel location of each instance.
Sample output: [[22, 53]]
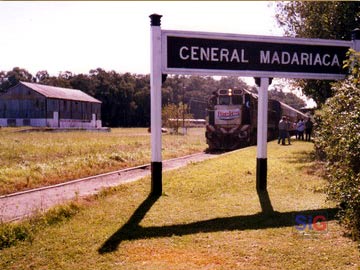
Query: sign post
[[355, 36], [262, 122], [263, 57], [155, 93]]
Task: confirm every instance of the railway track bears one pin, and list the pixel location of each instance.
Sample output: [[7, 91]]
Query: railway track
[[22, 204]]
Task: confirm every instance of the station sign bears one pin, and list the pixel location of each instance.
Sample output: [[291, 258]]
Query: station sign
[[202, 53]]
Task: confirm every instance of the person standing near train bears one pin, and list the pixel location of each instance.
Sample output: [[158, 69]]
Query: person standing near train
[[283, 126], [288, 128], [308, 129], [300, 127], [295, 127]]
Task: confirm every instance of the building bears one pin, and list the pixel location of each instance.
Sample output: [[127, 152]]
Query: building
[[31, 104]]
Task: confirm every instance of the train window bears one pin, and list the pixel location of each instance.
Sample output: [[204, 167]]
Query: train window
[[237, 100], [224, 100], [237, 92]]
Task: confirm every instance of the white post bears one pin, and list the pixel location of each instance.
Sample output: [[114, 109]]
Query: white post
[[262, 128], [155, 92], [56, 120], [355, 37], [93, 121]]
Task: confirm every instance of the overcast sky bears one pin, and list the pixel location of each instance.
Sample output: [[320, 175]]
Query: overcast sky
[[79, 36]]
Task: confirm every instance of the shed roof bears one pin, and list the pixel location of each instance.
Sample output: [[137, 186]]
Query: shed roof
[[60, 93]]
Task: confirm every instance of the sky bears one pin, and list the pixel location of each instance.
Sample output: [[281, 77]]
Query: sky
[[114, 35]]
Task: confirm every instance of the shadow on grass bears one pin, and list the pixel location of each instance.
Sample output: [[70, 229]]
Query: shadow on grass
[[309, 163], [265, 203], [268, 218], [302, 157]]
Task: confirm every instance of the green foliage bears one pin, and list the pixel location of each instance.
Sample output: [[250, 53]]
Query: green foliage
[[338, 141], [11, 78], [353, 64], [126, 97], [289, 98], [173, 114], [318, 19], [319, 91]]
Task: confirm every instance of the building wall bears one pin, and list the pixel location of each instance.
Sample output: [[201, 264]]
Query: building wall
[[54, 122], [22, 106], [21, 102], [19, 122], [70, 109]]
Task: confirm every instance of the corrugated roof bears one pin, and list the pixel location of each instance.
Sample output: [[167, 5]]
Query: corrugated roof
[[60, 93]]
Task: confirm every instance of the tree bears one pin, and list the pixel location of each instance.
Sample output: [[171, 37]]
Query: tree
[[126, 97], [289, 98], [42, 75], [83, 82], [318, 19], [3, 80], [13, 77], [337, 141], [172, 115], [232, 82]]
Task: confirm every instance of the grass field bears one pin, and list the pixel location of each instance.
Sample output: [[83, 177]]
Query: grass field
[[209, 217], [35, 159]]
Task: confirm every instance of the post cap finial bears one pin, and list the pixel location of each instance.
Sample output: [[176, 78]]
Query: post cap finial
[[258, 81], [355, 34], [155, 19]]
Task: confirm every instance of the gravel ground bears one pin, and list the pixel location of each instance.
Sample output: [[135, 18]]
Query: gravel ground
[[23, 204]]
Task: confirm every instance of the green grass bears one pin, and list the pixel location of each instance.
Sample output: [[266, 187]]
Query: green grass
[[209, 217], [12, 233], [35, 159]]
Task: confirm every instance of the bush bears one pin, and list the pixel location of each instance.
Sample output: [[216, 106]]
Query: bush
[[338, 142]]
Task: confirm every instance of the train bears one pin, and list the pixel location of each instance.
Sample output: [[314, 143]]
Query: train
[[231, 121]]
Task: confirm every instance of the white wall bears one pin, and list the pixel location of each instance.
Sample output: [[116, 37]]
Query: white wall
[[54, 122]]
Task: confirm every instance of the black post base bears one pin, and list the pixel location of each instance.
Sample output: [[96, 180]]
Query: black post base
[[156, 178], [261, 171]]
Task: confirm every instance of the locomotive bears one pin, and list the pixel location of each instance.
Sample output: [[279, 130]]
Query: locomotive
[[232, 119]]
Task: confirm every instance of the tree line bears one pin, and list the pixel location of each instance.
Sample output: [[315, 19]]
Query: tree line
[[125, 97]]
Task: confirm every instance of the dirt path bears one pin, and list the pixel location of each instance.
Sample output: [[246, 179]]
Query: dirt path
[[22, 204]]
